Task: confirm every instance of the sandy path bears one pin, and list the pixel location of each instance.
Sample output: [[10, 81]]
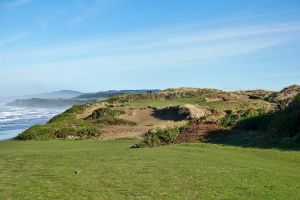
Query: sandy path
[[145, 120]]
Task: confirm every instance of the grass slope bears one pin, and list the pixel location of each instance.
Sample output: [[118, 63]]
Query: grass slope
[[219, 105], [111, 170]]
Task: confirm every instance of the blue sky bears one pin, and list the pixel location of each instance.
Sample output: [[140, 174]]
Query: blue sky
[[93, 45]]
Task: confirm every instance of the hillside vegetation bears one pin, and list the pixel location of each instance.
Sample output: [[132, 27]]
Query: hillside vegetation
[[68, 125], [280, 128], [204, 111]]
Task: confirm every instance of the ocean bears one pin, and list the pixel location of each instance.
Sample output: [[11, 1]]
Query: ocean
[[14, 120]]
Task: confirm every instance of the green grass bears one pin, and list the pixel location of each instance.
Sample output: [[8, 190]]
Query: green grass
[[218, 105], [67, 124], [63, 125], [111, 170]]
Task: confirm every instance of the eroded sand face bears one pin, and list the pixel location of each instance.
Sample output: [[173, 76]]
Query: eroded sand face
[[145, 119]]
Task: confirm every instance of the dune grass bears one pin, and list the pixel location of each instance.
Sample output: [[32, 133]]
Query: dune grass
[[111, 170], [218, 105]]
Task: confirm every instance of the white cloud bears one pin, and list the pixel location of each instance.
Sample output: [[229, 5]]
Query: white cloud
[[157, 50], [15, 3], [159, 47]]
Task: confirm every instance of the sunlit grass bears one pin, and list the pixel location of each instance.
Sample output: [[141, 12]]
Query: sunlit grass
[[111, 170], [218, 105]]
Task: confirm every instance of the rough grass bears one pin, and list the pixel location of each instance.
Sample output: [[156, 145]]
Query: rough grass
[[108, 116], [282, 127], [62, 126], [232, 119], [68, 124], [158, 137], [218, 105], [111, 170]]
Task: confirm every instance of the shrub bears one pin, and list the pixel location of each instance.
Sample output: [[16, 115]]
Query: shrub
[[280, 128], [249, 119], [87, 132], [106, 113], [252, 120], [160, 137], [38, 132], [227, 121], [286, 122], [46, 132], [108, 116]]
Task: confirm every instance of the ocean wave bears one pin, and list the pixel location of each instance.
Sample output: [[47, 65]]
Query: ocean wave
[[20, 118]]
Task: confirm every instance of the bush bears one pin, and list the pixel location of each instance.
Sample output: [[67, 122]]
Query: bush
[[46, 132], [228, 121], [82, 132], [279, 128], [108, 116], [38, 132], [250, 119], [106, 113], [160, 137], [286, 122]]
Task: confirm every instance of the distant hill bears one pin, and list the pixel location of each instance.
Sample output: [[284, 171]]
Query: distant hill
[[63, 94], [49, 95], [111, 93], [46, 103], [67, 98]]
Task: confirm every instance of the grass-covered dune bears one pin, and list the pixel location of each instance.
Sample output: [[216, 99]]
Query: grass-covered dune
[[70, 125], [111, 170], [255, 110], [278, 128], [63, 126]]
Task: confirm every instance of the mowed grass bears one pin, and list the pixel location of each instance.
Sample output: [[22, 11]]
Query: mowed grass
[[111, 170]]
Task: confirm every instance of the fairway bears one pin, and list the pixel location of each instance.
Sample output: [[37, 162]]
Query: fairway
[[111, 170]]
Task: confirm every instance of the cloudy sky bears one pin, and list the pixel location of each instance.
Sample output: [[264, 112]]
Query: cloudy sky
[[93, 45]]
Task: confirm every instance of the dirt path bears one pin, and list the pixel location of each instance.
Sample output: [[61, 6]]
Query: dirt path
[[145, 121]]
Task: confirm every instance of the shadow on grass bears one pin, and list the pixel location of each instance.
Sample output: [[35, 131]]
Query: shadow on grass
[[256, 138], [279, 129]]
